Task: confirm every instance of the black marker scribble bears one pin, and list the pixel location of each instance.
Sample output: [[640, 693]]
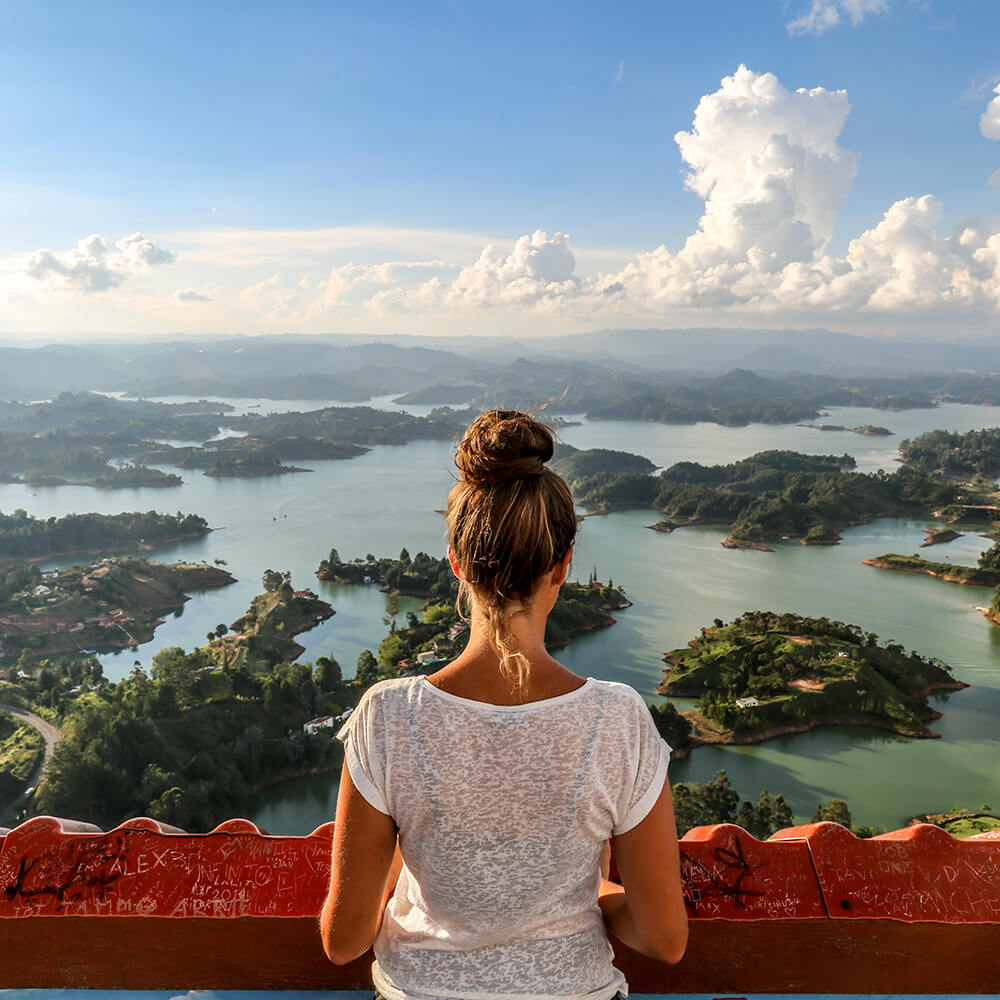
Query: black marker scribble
[[701, 883], [68, 875]]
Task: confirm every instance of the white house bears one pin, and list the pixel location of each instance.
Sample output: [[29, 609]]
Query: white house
[[312, 727], [747, 703]]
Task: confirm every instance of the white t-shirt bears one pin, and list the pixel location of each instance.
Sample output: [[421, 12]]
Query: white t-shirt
[[502, 813]]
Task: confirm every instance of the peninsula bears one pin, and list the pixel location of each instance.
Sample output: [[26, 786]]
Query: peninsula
[[111, 604], [767, 674]]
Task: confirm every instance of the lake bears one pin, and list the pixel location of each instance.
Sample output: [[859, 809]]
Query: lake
[[386, 499]]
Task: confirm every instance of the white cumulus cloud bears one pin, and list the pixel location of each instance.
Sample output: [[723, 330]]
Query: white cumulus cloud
[[92, 267], [537, 270], [989, 123], [821, 15]]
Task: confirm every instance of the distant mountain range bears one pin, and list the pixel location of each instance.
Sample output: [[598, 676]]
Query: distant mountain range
[[354, 367]]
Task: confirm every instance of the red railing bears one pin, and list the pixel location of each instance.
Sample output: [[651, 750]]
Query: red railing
[[812, 910]]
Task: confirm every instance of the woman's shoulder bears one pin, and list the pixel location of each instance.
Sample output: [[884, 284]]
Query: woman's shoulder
[[621, 698], [393, 691]]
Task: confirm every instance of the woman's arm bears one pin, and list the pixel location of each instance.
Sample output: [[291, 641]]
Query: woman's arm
[[647, 911], [363, 873]]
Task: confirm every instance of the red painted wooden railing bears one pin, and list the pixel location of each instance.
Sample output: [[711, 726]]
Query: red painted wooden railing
[[813, 910]]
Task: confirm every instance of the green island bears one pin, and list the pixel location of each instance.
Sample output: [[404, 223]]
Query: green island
[[33, 538], [868, 429], [938, 536], [580, 607], [986, 574], [265, 635], [773, 494], [112, 604], [249, 456], [769, 674]]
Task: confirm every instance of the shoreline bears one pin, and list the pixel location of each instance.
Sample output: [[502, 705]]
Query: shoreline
[[704, 734]]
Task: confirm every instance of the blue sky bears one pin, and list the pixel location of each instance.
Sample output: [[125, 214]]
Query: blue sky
[[283, 162]]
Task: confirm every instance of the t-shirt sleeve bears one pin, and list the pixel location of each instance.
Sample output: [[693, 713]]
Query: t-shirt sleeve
[[364, 751], [653, 756]]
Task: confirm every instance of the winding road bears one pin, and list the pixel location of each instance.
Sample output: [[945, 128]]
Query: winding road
[[51, 736]]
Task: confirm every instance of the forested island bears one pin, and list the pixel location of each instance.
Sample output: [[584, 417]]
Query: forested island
[[249, 456], [111, 604], [768, 674], [772, 494], [870, 430], [579, 607], [34, 538], [985, 574]]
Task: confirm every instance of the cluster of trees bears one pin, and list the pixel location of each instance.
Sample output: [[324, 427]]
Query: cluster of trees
[[716, 801], [26, 537], [975, 452], [15, 577], [190, 742]]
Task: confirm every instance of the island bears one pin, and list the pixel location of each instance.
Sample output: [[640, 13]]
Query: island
[[111, 604], [34, 538], [768, 674], [250, 456], [868, 429], [939, 536], [580, 607], [265, 635], [986, 574]]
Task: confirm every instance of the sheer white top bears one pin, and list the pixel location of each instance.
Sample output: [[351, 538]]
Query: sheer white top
[[502, 813]]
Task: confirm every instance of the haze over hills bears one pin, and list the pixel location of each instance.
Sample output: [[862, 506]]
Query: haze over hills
[[354, 367]]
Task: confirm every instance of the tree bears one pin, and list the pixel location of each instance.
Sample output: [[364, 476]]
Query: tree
[[327, 673], [833, 811], [272, 579], [367, 672], [990, 559]]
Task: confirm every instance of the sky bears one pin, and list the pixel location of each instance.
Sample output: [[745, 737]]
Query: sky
[[482, 168]]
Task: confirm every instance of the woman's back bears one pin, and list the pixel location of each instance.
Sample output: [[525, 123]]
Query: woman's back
[[503, 812]]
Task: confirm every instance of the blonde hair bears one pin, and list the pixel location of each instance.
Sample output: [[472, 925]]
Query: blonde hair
[[510, 520]]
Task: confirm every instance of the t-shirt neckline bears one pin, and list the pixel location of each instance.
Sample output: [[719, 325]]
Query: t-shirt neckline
[[487, 706]]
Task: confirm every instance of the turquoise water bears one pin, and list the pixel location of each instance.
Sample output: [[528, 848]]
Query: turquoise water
[[386, 500]]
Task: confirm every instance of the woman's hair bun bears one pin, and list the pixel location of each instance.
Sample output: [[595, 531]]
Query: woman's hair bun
[[503, 445]]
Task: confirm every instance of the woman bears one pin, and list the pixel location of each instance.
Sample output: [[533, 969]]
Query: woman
[[502, 776]]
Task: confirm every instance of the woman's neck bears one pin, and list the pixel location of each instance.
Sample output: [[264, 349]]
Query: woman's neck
[[476, 673]]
